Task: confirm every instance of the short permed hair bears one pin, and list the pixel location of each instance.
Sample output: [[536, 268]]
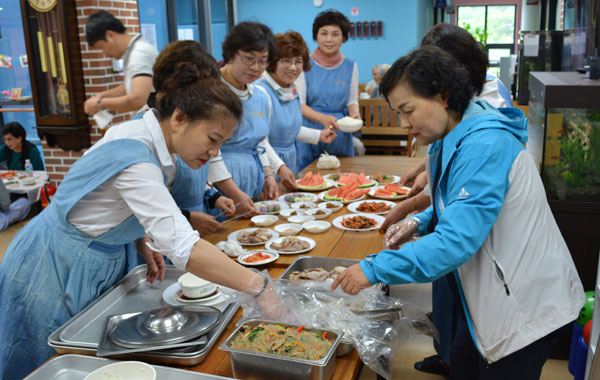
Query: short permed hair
[[288, 45], [248, 36], [461, 44], [97, 25], [430, 71], [331, 17]]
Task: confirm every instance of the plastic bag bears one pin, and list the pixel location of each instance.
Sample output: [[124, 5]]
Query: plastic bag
[[373, 323], [327, 161]]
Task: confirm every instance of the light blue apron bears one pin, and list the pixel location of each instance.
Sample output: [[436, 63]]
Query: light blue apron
[[240, 153], [286, 120], [327, 91], [51, 270]]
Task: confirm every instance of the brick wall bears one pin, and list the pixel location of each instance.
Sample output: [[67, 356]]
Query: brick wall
[[98, 76]]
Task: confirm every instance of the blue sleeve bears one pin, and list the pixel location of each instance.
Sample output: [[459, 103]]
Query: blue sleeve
[[504, 93], [481, 169], [423, 219]]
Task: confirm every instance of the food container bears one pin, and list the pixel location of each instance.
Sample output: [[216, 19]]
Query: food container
[[193, 286], [303, 205], [300, 219], [288, 229], [338, 206], [316, 226], [258, 365], [319, 213], [349, 124], [264, 220], [130, 370], [288, 213]]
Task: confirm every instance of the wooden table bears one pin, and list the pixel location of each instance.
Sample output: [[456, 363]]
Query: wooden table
[[332, 243]]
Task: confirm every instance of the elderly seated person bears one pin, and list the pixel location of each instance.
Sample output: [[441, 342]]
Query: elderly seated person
[[18, 149]]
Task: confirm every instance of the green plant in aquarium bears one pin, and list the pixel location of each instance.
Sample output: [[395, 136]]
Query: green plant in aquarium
[[594, 148], [573, 166]]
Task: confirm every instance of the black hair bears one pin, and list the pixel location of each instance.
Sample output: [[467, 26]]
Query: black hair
[[198, 96], [331, 17], [14, 129], [248, 36], [17, 130], [430, 71], [97, 25], [461, 44]]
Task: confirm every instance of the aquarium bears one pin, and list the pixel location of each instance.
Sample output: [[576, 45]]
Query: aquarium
[[564, 134]]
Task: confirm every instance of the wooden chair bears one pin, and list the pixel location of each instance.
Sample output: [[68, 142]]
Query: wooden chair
[[381, 133], [361, 87]]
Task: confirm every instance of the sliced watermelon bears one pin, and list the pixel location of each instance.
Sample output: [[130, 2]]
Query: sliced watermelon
[[352, 178], [311, 180], [384, 193]]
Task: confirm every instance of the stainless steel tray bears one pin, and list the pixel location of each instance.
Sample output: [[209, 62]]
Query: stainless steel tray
[[69, 367], [308, 262], [82, 333], [258, 365]]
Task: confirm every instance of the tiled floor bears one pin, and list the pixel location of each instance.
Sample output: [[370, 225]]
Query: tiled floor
[[412, 349]]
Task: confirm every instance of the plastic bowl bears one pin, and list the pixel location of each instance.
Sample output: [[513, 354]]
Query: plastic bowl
[[129, 370], [317, 212], [287, 212], [288, 229], [195, 287], [316, 226], [301, 219], [351, 126], [264, 220]]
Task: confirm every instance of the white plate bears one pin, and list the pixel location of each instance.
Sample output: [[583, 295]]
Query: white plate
[[378, 219], [169, 295], [233, 236], [322, 194], [264, 220], [328, 184], [282, 206], [283, 229], [310, 195], [374, 189], [313, 212], [274, 256], [354, 207], [316, 226], [301, 219], [328, 176], [286, 213], [396, 179], [336, 209], [279, 240]]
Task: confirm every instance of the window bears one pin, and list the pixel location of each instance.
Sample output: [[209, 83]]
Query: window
[[493, 26]]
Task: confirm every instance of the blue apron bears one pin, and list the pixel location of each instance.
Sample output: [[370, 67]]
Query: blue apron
[[327, 91], [51, 270], [286, 120], [240, 153], [189, 186]]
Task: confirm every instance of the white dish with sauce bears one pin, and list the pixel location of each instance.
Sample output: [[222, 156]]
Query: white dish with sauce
[[316, 226], [288, 229]]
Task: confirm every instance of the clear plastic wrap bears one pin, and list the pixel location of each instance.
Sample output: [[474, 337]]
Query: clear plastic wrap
[[373, 323]]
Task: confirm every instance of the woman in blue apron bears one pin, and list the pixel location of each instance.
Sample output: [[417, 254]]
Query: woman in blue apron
[[247, 51], [329, 91], [290, 61], [75, 249]]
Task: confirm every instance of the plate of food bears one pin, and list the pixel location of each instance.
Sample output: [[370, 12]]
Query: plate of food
[[297, 197], [257, 257], [358, 222], [389, 191], [331, 205], [253, 236], [383, 178], [291, 245], [344, 194], [371, 207], [173, 296], [270, 207], [9, 174], [314, 182], [360, 180]]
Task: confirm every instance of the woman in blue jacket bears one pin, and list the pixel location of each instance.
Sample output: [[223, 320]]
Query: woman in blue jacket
[[489, 230]]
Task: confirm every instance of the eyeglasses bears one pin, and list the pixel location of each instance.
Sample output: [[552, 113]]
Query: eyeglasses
[[288, 62], [251, 61]]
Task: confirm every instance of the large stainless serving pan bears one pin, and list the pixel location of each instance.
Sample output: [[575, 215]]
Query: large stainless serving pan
[[257, 365]]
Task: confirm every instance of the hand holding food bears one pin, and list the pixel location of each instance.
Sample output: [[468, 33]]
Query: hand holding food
[[203, 223], [247, 208], [329, 122], [266, 296], [400, 233], [352, 280], [397, 213], [226, 205]]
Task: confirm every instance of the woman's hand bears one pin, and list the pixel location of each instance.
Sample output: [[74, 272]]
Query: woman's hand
[[226, 205], [397, 213], [352, 280], [328, 121], [246, 207], [400, 233], [270, 189], [90, 106], [287, 178], [154, 260], [419, 184], [203, 223], [409, 178], [327, 136]]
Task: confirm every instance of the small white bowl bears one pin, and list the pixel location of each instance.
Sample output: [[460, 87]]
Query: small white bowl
[[318, 212], [130, 370], [348, 124], [28, 181], [195, 287], [338, 205], [301, 219], [288, 229], [288, 212], [264, 220], [303, 205], [317, 226]]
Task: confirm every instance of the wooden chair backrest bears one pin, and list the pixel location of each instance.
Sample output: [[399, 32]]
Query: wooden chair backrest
[[361, 87], [376, 113]]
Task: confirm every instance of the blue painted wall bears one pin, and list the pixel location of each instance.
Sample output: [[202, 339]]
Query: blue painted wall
[[404, 24], [155, 12]]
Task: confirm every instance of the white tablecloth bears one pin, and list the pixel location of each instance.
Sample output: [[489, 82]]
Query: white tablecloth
[[15, 185]]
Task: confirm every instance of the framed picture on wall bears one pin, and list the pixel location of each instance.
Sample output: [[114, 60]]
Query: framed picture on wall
[[15, 93]]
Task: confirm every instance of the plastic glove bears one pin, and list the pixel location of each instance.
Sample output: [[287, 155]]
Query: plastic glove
[[400, 233]]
